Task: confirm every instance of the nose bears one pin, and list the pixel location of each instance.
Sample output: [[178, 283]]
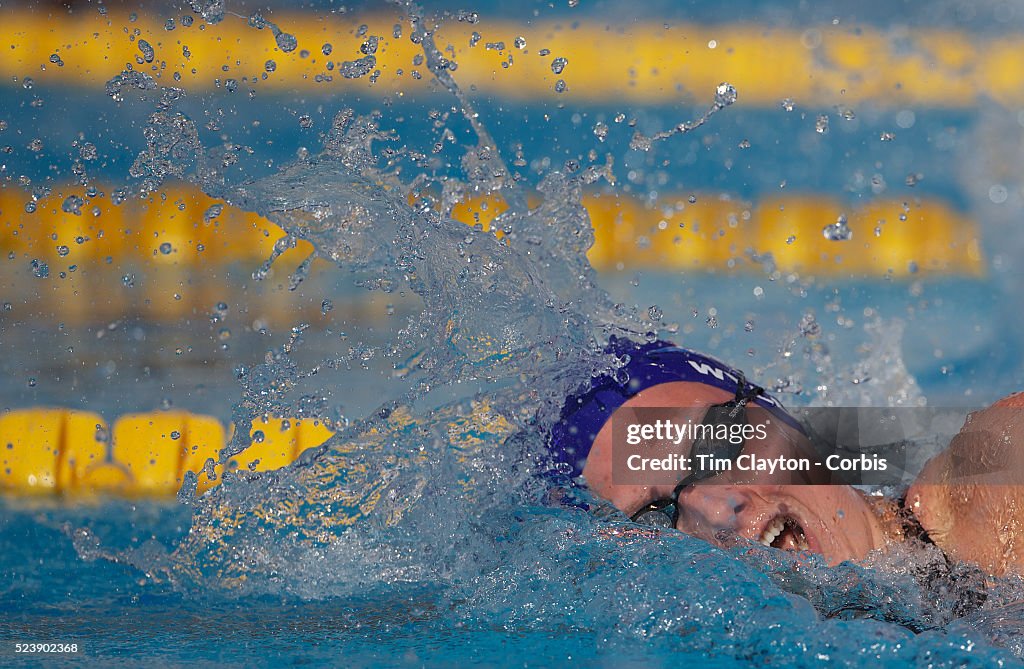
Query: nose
[[706, 510]]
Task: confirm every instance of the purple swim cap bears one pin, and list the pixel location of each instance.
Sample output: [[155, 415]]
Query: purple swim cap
[[587, 409]]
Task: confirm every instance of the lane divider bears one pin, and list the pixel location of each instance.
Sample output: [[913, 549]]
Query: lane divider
[[167, 259], [639, 61], [809, 235], [84, 259], [796, 234], [54, 451], [57, 452], [180, 227], [49, 451], [173, 238]]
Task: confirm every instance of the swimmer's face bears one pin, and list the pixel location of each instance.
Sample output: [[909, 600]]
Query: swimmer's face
[[834, 521]]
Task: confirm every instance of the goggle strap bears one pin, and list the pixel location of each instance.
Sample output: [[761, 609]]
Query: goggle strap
[[736, 405]]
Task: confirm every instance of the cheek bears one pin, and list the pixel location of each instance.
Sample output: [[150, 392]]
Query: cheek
[[855, 523], [712, 507]]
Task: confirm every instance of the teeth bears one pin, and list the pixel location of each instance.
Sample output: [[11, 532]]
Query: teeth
[[775, 528]]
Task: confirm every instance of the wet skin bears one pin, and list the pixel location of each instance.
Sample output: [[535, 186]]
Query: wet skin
[[969, 498], [835, 521]]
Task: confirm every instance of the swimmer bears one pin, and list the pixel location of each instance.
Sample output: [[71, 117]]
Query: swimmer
[[971, 518]]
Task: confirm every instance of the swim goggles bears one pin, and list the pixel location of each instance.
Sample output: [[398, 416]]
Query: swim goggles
[[664, 512]]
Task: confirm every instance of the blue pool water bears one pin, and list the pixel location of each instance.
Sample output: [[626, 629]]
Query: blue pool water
[[544, 595], [423, 534]]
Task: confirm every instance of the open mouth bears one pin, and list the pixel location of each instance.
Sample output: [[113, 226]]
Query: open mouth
[[786, 533]]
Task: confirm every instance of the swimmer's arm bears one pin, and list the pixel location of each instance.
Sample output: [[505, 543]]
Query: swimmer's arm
[[970, 498]]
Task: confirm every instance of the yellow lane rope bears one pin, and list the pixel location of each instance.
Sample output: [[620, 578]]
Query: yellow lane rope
[[180, 255], [182, 230], [52, 451], [55, 451], [638, 62]]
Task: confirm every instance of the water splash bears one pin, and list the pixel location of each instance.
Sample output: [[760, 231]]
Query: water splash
[[725, 95], [212, 11], [148, 54], [516, 308], [838, 231], [437, 487]]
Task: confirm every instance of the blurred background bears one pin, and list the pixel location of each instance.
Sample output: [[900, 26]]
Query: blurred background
[[864, 187]]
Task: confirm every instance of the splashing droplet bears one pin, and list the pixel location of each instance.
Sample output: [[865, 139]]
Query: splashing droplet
[[212, 11], [725, 94], [809, 326], [72, 205], [558, 64], [213, 212], [353, 69], [147, 51], [286, 42], [369, 47], [838, 231], [40, 270]]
